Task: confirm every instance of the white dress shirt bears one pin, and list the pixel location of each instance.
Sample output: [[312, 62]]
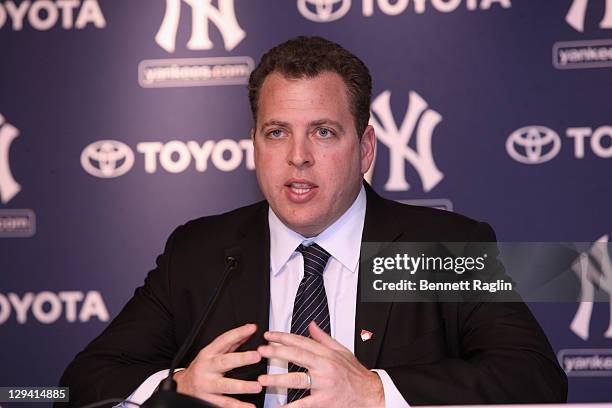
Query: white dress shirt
[[343, 241]]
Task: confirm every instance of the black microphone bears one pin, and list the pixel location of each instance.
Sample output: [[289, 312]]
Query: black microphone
[[167, 396]]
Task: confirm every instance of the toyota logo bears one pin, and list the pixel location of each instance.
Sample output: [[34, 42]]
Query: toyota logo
[[322, 11], [533, 144], [107, 159]]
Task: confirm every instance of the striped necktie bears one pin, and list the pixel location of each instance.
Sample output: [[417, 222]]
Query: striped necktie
[[310, 304]]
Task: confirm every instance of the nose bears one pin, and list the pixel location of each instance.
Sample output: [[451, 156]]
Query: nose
[[300, 153]]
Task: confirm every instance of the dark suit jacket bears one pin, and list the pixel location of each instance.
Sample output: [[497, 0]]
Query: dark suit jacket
[[435, 353]]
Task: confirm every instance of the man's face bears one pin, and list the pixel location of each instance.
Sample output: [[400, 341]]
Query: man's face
[[309, 159]]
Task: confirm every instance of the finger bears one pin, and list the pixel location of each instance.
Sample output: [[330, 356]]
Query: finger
[[295, 340], [223, 385], [239, 343], [224, 362], [299, 356], [306, 402], [235, 346], [322, 337], [226, 402], [231, 338], [289, 380]]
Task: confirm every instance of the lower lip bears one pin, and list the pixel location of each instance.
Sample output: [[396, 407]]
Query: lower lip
[[300, 197]]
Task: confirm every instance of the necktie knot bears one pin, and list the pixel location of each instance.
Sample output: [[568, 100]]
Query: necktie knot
[[315, 258]]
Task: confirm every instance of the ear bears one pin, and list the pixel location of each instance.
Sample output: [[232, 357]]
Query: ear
[[253, 134], [368, 148]]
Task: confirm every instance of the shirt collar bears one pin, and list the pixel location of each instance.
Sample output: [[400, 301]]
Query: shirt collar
[[338, 239]]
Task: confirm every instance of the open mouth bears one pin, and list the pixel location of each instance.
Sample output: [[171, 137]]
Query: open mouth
[[300, 190]]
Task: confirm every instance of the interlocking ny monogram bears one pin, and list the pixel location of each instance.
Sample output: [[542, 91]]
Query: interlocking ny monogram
[[418, 117], [223, 17], [576, 15], [8, 186], [592, 275]]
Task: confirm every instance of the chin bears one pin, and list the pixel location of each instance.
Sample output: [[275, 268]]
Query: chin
[[299, 225], [303, 227]]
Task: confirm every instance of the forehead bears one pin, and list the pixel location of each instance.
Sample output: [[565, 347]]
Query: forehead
[[326, 94]]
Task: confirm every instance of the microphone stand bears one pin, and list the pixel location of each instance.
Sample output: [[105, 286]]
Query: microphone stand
[[167, 396]]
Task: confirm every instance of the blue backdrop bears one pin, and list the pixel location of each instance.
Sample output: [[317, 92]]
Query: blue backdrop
[[121, 119]]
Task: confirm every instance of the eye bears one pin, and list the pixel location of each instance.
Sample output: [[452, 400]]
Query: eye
[[276, 133], [324, 132]]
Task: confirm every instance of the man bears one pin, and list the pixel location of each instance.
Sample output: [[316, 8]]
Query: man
[[287, 326]]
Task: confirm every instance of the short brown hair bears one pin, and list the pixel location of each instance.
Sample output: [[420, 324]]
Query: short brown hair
[[308, 57]]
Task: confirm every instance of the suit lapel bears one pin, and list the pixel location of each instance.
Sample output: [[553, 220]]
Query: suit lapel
[[249, 289], [249, 285], [373, 316]]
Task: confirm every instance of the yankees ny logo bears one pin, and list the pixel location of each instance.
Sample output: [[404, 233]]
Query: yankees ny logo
[[202, 11], [8, 186], [592, 275], [576, 15], [418, 117]]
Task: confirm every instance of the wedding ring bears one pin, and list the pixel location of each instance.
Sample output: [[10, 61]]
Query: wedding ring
[[308, 379]]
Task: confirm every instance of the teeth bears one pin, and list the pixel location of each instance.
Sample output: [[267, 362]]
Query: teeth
[[300, 188]]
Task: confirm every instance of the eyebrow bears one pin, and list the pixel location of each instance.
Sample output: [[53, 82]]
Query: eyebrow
[[326, 121], [274, 123], [311, 124]]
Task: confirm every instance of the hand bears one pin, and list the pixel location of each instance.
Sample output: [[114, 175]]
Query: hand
[[204, 378], [338, 378]]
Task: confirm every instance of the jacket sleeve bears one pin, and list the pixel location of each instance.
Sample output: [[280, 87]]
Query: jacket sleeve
[[498, 354], [137, 343]]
